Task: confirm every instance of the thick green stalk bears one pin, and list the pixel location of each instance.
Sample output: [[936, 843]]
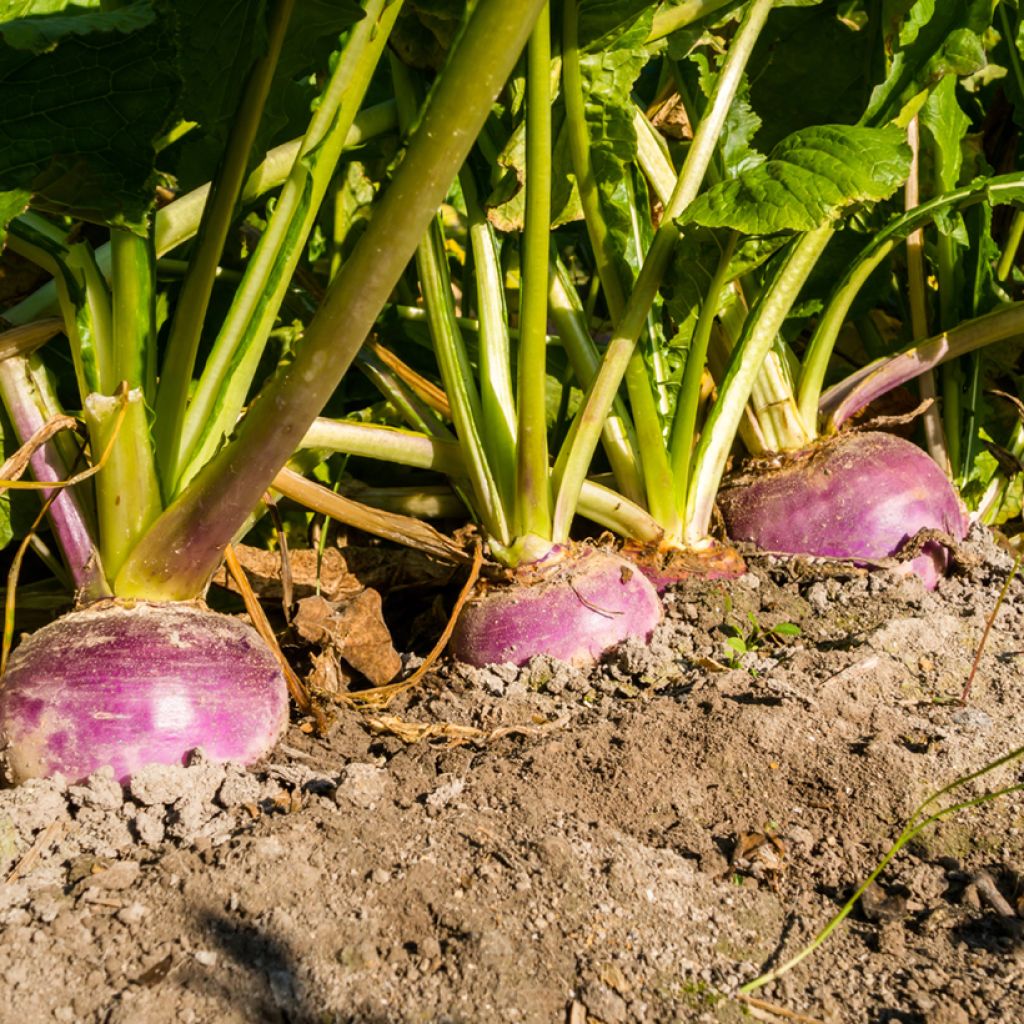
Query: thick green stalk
[[128, 495], [532, 497], [227, 375], [497, 397], [134, 310], [127, 492], [574, 460], [218, 214], [618, 437], [1008, 188], [761, 327], [182, 549], [684, 425]]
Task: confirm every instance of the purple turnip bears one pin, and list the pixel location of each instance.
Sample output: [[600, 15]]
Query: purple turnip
[[570, 607], [130, 685], [856, 496]]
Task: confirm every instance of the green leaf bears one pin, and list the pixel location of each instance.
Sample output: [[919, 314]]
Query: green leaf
[[79, 121], [809, 179], [11, 204], [811, 66], [602, 23], [786, 629], [930, 39]]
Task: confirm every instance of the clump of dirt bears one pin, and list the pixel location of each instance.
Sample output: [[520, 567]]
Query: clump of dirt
[[626, 844]]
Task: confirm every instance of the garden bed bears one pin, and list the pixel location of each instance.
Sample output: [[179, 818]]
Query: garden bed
[[631, 843]]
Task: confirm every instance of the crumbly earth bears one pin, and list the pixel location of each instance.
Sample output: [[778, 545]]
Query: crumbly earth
[[631, 843]]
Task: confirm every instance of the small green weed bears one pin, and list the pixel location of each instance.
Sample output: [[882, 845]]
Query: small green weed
[[752, 637]]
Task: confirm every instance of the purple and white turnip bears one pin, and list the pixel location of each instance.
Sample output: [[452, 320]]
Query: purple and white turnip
[[131, 685], [573, 606], [858, 495]]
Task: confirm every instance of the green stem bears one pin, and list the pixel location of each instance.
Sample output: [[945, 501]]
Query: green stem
[[759, 331], [952, 374], [934, 434], [532, 497], [1009, 253], [684, 425], [859, 389], [459, 384], [227, 375], [82, 293], [600, 504], [218, 214], [1007, 188], [671, 16], [917, 823], [573, 461], [497, 398], [657, 475], [127, 492], [133, 279], [184, 546], [618, 437]]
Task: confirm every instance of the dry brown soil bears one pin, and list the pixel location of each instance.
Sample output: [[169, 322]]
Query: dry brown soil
[[628, 844]]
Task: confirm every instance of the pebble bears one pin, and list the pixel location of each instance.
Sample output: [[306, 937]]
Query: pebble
[[363, 784]]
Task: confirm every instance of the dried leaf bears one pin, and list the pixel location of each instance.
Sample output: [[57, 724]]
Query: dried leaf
[[355, 631]]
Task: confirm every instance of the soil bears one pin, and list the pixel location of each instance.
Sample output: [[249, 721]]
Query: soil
[[631, 843]]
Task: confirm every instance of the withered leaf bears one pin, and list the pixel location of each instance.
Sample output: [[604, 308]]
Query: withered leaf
[[354, 630]]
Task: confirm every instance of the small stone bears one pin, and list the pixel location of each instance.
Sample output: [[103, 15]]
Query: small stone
[[158, 784], [972, 718], [101, 790], [206, 957], [133, 914], [449, 787], [817, 597], [364, 785], [604, 1004]]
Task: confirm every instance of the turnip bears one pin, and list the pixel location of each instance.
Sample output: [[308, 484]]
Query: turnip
[[859, 496], [573, 611], [562, 601], [187, 455], [129, 685]]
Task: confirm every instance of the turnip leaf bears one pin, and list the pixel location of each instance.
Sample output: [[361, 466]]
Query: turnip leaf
[[808, 180], [86, 97]]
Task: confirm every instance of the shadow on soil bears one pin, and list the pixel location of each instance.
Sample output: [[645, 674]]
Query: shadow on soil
[[259, 977]]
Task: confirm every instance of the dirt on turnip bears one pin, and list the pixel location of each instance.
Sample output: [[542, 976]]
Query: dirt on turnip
[[626, 844]]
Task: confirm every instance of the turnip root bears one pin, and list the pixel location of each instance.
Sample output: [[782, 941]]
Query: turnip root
[[572, 607], [133, 685], [857, 496]]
